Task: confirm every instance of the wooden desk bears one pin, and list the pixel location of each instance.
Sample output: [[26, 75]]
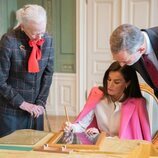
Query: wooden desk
[[112, 148]]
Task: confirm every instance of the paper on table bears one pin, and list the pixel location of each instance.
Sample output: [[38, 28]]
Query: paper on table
[[117, 145], [23, 137]]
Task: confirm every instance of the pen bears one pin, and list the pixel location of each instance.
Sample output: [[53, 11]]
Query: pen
[[66, 113]]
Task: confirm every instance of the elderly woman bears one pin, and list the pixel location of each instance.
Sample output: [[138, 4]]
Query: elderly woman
[[26, 69], [117, 108]]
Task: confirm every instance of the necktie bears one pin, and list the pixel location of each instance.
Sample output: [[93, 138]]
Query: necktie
[[153, 72], [35, 55]]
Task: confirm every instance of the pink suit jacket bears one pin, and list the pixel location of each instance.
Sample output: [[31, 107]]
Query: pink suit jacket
[[134, 123]]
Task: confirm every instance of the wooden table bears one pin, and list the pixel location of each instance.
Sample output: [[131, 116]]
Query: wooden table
[[112, 148]]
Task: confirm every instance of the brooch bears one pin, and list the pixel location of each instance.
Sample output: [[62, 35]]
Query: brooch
[[22, 47]]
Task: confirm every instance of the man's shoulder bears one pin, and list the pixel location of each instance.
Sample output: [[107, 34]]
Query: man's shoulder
[[152, 30]]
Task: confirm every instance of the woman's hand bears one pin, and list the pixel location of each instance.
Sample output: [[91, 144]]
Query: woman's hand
[[68, 138], [91, 131], [67, 127]]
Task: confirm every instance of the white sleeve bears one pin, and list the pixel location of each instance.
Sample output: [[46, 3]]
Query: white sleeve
[[84, 123]]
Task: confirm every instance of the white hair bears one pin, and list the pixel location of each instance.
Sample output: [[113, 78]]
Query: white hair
[[31, 12]]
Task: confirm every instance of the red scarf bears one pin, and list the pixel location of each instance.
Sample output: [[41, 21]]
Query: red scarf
[[35, 55]]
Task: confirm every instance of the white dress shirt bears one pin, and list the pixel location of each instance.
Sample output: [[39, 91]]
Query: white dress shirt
[[107, 116]]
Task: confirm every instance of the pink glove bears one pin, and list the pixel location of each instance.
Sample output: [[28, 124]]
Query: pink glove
[[27, 107], [40, 110], [33, 109]]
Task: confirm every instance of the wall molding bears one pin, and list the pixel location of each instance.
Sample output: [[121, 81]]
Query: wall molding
[[62, 93]]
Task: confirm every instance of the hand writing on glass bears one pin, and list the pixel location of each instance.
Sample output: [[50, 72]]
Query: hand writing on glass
[[68, 138], [67, 127]]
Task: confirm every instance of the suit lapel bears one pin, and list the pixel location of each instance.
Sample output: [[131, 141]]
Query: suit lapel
[[140, 67], [153, 36]]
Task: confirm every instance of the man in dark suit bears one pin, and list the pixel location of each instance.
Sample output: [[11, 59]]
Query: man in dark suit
[[138, 48], [26, 69]]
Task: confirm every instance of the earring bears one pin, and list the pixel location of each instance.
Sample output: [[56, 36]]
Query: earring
[[126, 87]]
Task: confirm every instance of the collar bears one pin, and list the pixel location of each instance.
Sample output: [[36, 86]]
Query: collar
[[148, 44], [118, 102]]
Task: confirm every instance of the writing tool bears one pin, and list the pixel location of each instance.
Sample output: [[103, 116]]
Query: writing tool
[[66, 113]]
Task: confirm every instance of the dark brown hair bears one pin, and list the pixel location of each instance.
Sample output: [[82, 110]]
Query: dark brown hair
[[129, 74]]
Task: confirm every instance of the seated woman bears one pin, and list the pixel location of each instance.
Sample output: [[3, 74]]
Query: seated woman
[[118, 108]]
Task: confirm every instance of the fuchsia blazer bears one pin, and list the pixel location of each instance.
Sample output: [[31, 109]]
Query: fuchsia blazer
[[134, 123]]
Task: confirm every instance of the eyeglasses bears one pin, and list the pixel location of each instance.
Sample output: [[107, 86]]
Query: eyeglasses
[[32, 33]]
